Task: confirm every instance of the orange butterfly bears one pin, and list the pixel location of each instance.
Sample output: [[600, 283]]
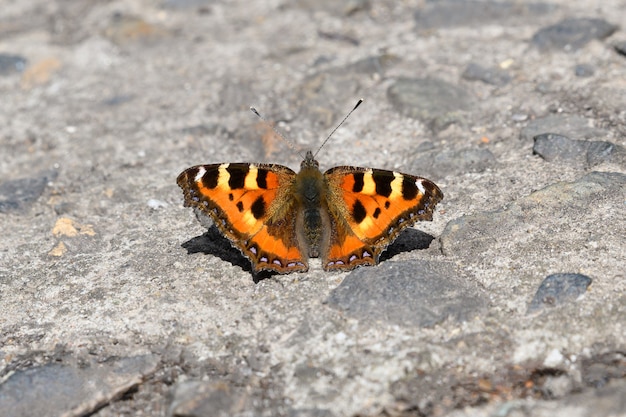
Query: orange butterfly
[[278, 219]]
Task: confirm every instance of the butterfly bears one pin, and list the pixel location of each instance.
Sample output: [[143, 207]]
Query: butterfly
[[278, 218]]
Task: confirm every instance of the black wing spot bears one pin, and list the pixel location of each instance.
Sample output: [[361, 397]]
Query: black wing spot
[[376, 212], [239, 206], [387, 204], [358, 182], [231, 197], [409, 189], [358, 211], [209, 179], [237, 177], [261, 178], [383, 182], [258, 208]]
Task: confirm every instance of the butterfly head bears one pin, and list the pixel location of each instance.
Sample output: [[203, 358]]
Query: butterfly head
[[309, 162]]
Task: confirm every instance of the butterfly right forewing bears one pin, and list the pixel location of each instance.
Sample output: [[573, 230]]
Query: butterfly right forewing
[[371, 208]]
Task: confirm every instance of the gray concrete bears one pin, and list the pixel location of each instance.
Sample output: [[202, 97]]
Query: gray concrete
[[115, 300]]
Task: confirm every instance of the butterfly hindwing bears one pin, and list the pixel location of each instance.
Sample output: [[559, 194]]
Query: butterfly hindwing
[[253, 206], [370, 207]]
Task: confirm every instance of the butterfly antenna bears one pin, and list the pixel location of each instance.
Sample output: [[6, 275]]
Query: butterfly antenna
[[358, 103], [291, 145]]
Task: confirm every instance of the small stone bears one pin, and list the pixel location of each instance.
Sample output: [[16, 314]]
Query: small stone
[[11, 64], [558, 289], [604, 151], [554, 359], [65, 226], [338, 37], [155, 204], [598, 370], [493, 76], [584, 70], [59, 250], [116, 100], [552, 147], [81, 389], [19, 194], [572, 34], [411, 293]]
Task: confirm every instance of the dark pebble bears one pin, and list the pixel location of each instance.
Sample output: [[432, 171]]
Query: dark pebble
[[598, 370], [558, 289], [21, 193], [411, 293], [603, 151], [11, 63], [58, 389], [338, 37], [118, 99], [584, 70], [572, 34], [553, 147], [493, 76]]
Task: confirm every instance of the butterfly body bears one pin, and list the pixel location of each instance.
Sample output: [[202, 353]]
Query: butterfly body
[[278, 219], [311, 204]]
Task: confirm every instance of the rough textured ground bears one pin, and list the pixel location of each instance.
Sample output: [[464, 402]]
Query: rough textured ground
[[114, 300]]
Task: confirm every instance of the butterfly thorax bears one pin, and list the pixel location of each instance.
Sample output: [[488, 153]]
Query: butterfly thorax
[[311, 197]]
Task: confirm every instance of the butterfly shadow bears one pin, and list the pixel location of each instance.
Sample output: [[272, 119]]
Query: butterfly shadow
[[409, 240], [213, 243]]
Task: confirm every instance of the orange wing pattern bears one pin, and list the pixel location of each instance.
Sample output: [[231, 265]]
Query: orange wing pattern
[[253, 206], [369, 208]]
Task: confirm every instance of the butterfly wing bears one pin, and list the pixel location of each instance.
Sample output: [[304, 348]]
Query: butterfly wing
[[369, 208], [253, 206]]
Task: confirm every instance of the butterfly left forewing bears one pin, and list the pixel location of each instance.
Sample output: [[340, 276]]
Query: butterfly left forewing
[[371, 207], [252, 206]]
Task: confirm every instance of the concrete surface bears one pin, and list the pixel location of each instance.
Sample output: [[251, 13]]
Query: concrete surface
[[114, 300]]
